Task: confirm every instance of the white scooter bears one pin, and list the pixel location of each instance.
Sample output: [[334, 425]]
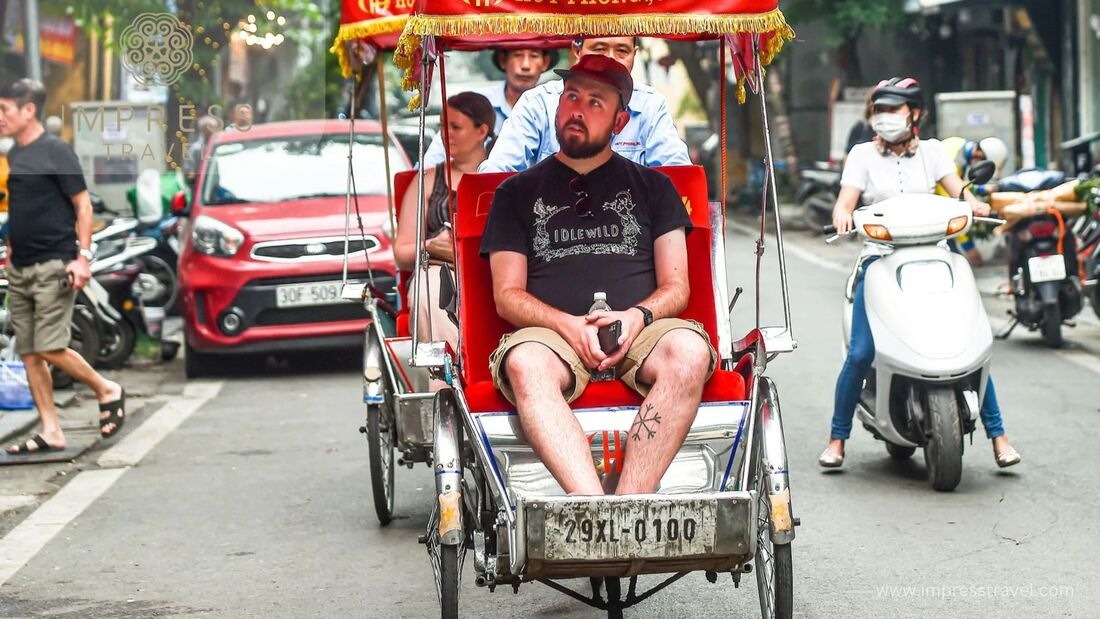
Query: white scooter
[[933, 341]]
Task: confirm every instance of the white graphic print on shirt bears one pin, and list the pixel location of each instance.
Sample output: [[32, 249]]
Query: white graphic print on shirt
[[599, 237]]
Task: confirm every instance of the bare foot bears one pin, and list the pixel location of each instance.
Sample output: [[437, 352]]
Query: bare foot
[[54, 440], [112, 394]]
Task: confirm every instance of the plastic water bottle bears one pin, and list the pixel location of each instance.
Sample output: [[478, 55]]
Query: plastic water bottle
[[599, 304]]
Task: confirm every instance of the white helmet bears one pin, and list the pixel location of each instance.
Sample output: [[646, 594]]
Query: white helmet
[[995, 151]]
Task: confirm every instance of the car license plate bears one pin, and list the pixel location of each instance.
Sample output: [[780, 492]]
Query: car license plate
[[629, 530], [1046, 268], [305, 295]]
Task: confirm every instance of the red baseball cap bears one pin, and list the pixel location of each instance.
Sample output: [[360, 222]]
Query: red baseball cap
[[604, 69]]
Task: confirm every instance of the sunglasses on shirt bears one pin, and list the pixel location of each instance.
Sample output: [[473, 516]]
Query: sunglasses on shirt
[[583, 206]]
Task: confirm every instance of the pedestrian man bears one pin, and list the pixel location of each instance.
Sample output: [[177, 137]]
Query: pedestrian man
[[49, 250], [207, 125], [649, 138], [242, 118], [522, 69]]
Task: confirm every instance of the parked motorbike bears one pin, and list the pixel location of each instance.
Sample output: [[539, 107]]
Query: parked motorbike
[[1087, 231], [113, 296], [933, 341], [1042, 265], [817, 193], [160, 281]]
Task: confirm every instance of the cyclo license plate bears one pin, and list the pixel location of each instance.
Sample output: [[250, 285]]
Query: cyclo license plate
[[1046, 268], [640, 529]]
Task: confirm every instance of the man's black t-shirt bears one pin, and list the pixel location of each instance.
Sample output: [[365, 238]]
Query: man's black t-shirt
[[569, 257], [45, 175]]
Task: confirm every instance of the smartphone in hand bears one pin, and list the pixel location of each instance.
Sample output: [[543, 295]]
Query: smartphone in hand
[[609, 337]]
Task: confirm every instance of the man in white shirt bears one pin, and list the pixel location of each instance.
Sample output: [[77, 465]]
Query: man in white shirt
[[649, 138], [522, 69]]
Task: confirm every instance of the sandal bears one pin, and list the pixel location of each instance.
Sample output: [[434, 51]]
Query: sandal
[[116, 414], [40, 446]]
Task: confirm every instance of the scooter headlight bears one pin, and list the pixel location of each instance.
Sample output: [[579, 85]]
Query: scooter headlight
[[926, 277], [215, 238]]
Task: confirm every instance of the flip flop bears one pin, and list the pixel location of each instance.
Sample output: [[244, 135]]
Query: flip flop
[[40, 442], [116, 414]]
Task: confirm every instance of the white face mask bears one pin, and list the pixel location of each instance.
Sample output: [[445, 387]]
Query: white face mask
[[890, 127]]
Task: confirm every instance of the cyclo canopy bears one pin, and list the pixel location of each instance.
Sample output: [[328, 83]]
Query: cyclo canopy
[[367, 26], [476, 24]]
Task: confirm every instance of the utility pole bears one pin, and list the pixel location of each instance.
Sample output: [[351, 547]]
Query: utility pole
[[31, 52]]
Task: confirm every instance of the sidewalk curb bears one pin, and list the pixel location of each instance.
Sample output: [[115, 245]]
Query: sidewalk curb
[[16, 423]]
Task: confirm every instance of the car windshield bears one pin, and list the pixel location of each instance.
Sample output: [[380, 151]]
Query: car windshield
[[297, 167]]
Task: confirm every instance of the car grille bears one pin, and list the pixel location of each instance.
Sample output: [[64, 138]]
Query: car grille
[[299, 250], [257, 301]]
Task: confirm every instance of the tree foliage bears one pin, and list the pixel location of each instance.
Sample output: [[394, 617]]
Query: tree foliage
[[846, 19]]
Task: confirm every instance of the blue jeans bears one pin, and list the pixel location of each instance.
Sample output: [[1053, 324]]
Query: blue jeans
[[861, 353]]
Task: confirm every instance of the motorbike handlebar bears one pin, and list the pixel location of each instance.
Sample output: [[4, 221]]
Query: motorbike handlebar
[[829, 230]]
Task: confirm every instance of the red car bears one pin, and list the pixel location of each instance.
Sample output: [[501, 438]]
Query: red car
[[261, 264]]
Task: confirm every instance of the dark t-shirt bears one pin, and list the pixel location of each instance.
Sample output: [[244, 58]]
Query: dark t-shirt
[[45, 175], [568, 257]]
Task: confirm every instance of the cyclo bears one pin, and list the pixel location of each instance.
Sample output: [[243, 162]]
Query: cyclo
[[723, 506]]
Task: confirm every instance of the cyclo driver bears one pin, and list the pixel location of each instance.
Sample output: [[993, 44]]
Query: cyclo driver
[[583, 221]]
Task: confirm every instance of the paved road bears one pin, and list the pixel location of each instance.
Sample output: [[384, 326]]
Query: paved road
[[257, 505]]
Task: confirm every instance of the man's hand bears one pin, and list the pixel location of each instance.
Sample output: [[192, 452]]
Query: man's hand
[[581, 336], [633, 322], [79, 272]]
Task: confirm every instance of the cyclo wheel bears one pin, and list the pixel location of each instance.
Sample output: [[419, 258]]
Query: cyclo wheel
[[774, 564], [446, 537], [381, 438], [380, 441], [450, 569]]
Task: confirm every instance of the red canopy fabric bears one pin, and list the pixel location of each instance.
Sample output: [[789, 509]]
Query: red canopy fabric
[[476, 24], [375, 23]]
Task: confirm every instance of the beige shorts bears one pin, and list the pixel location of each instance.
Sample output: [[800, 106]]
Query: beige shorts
[[627, 370], [40, 303]]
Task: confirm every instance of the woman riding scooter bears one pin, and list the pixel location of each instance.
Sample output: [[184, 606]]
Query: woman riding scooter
[[897, 161]]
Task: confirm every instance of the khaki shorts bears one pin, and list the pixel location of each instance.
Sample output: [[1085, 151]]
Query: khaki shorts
[[40, 303], [627, 370]]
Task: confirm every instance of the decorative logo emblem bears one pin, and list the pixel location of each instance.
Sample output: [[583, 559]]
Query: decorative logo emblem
[[315, 248], [156, 49]]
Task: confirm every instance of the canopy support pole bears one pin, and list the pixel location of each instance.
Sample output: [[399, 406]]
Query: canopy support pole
[[771, 191], [420, 269]]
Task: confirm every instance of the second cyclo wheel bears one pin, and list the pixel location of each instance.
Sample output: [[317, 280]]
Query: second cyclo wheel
[[380, 435]]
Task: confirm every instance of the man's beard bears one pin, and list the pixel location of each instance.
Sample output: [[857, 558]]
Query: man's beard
[[576, 146]]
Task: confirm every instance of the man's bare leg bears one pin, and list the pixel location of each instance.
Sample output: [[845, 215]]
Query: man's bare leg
[[70, 362], [538, 377], [676, 368], [41, 386]]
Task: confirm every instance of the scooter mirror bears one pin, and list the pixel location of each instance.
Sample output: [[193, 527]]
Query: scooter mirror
[[180, 205], [981, 172]]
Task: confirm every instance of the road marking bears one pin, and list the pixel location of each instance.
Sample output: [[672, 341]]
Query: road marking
[[795, 249], [31, 535], [132, 449], [23, 542]]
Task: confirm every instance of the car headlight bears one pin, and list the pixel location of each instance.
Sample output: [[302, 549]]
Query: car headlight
[[926, 276], [214, 238]]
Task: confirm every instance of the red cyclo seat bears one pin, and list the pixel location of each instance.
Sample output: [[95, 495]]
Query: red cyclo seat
[[482, 328]]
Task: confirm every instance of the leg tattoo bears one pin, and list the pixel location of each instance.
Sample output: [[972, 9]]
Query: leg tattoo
[[647, 421]]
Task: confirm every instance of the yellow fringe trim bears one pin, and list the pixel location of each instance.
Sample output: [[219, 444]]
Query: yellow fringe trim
[[362, 30], [654, 24]]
